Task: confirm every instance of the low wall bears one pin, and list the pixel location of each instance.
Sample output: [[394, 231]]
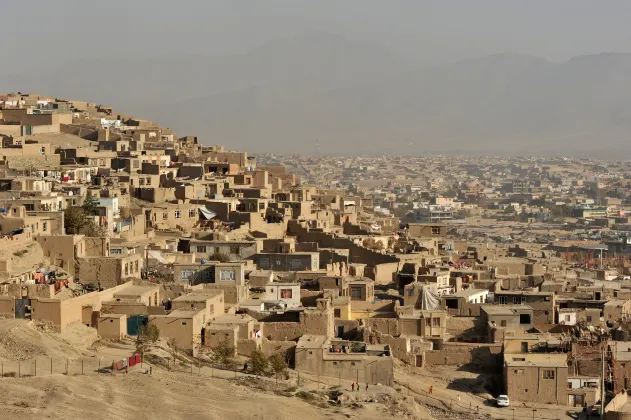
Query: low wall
[[458, 354], [384, 325], [309, 297], [616, 404], [247, 347], [350, 328], [285, 348], [7, 307], [283, 331]]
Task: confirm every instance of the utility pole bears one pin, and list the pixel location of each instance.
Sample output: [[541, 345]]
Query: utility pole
[[147, 262], [602, 385]]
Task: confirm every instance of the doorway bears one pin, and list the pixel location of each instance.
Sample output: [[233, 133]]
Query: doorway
[[340, 331]]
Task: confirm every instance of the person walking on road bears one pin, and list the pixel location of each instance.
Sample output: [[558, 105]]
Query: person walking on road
[[366, 387], [353, 386], [430, 389]]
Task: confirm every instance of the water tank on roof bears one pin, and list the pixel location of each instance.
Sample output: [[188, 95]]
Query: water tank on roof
[[203, 262]]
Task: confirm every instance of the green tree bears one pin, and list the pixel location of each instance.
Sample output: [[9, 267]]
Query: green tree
[[74, 220], [218, 256], [79, 219], [258, 362], [149, 332], [223, 353], [278, 364], [90, 204]]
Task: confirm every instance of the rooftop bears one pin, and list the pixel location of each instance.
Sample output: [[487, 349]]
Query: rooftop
[[536, 360], [467, 293]]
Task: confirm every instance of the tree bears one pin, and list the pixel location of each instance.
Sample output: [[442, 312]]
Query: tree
[[90, 204], [218, 256], [371, 243], [258, 362], [173, 347], [74, 220], [79, 219], [223, 353], [278, 364], [149, 332]]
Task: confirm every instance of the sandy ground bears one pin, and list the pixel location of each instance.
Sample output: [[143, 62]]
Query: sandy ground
[[209, 393], [23, 255], [174, 396]]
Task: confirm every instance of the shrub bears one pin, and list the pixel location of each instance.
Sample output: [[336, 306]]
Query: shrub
[[149, 332], [223, 353], [259, 362], [278, 363]]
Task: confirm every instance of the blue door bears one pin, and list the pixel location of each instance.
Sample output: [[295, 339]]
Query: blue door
[[134, 323]]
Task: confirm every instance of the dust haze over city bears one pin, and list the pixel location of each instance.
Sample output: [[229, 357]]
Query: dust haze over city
[[350, 209], [483, 77]]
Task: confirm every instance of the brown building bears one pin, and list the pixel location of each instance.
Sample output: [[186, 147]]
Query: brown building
[[356, 361], [112, 326], [211, 302], [536, 377], [616, 309], [542, 303], [184, 326]]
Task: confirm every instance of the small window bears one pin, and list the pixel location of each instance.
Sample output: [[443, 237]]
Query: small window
[[191, 213], [428, 322], [226, 275], [165, 216], [589, 318], [44, 226], [178, 214], [337, 313], [567, 318], [519, 372], [503, 300], [285, 293], [548, 374], [436, 322], [352, 363], [503, 323], [235, 250], [183, 323], [201, 249]]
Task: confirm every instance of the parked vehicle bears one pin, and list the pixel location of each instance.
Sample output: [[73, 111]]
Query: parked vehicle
[[502, 401]]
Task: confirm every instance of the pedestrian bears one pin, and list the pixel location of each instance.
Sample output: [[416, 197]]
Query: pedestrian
[[458, 398], [245, 366], [430, 389], [126, 370], [353, 386], [150, 370], [366, 387]]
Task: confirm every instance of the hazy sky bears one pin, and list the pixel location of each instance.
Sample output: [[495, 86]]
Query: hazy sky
[[44, 32]]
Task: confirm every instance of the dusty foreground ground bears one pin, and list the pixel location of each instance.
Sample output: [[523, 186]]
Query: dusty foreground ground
[[169, 396], [44, 390]]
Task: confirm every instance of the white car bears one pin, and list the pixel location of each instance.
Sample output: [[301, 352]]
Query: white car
[[502, 401]]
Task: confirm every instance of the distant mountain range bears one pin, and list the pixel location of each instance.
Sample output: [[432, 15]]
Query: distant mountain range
[[321, 92]]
